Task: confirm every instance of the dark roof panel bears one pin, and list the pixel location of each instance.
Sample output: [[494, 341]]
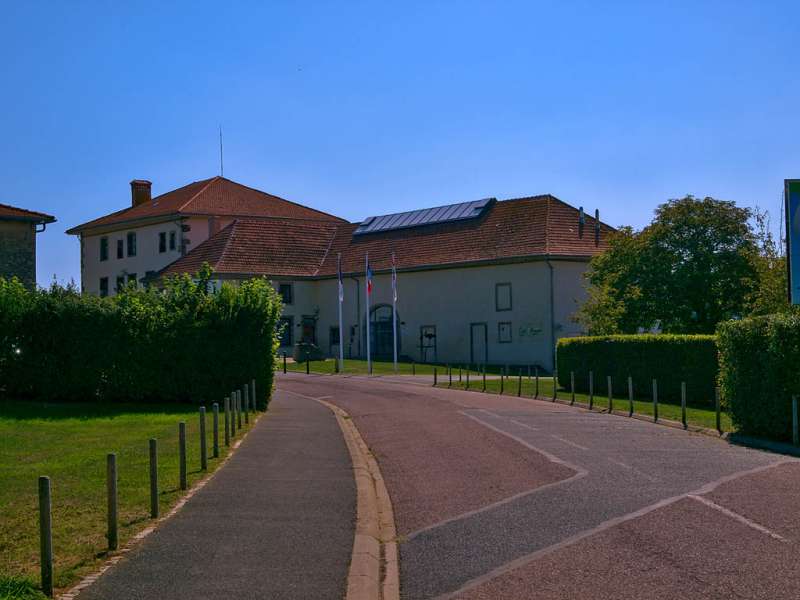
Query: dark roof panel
[[425, 216]]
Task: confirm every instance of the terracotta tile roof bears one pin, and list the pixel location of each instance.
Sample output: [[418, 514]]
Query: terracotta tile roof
[[215, 196], [20, 214], [510, 230]]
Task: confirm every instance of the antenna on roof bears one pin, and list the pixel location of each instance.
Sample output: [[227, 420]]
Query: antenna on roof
[[221, 166]]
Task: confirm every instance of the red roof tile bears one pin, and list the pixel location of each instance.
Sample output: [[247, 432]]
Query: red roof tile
[[21, 214], [215, 196], [509, 230]]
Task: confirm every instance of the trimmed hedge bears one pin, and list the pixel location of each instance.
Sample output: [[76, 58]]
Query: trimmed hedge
[[759, 358], [181, 343], [668, 358]]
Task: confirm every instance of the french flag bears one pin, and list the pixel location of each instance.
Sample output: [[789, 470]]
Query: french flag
[[369, 277]]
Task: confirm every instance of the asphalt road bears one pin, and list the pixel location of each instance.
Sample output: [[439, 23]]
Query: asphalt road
[[276, 522], [610, 507]]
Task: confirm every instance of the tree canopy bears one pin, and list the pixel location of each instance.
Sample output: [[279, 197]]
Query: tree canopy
[[698, 263]]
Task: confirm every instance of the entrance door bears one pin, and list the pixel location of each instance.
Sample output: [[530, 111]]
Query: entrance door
[[380, 332], [478, 343]]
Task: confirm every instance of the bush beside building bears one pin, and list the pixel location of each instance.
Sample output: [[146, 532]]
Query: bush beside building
[[758, 358], [670, 359], [177, 344]]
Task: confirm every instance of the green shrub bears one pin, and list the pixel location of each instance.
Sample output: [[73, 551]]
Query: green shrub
[[758, 377], [176, 344], [670, 359]]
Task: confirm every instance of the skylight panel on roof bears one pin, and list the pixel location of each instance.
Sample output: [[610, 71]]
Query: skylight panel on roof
[[425, 216]]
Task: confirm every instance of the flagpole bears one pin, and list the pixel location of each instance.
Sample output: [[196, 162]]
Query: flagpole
[[394, 312], [366, 292], [341, 326]]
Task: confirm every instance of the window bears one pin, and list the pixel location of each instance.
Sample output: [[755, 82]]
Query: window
[[103, 248], [120, 249], [287, 331], [103, 287], [162, 242], [504, 332], [131, 277], [502, 296], [120, 282], [132, 243], [172, 240], [334, 336], [285, 291]]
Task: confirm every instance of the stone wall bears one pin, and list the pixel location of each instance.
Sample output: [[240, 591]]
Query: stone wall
[[18, 251]]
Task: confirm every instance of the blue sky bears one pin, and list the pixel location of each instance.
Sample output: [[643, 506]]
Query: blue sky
[[369, 108]]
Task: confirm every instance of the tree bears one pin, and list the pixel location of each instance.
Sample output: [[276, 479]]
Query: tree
[[692, 267]]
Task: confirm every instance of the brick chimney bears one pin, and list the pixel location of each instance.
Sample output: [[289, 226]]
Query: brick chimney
[[140, 191]]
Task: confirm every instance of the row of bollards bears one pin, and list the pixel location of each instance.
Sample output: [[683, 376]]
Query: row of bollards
[[240, 401]]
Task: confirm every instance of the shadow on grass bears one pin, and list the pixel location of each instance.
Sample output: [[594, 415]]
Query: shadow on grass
[[23, 410]]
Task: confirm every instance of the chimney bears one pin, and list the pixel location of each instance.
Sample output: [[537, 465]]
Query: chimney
[[581, 221], [597, 227], [140, 191]]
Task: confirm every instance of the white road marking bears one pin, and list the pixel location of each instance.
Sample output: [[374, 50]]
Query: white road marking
[[521, 424], [742, 519], [630, 468], [529, 558], [566, 441]]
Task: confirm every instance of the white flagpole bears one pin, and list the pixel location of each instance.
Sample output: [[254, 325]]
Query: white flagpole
[[366, 292], [394, 312], [341, 326]]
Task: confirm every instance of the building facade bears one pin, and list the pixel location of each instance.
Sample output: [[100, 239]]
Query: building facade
[[489, 281], [18, 229]]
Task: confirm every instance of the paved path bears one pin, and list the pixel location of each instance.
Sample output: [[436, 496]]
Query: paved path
[[613, 508], [277, 521]]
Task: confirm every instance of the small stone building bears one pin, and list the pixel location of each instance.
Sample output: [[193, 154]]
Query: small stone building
[[18, 229]]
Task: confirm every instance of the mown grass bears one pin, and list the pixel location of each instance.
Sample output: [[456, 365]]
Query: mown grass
[[19, 588], [697, 414], [69, 443], [359, 367]]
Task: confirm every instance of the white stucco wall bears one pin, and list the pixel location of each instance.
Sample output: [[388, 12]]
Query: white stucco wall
[[147, 258], [453, 299]]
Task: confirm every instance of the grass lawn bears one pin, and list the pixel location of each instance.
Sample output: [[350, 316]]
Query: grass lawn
[[699, 415], [359, 367], [69, 443]]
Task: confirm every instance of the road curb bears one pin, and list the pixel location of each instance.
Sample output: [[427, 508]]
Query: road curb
[[374, 567]]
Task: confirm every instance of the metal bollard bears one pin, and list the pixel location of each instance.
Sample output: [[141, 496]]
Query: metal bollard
[[203, 448], [434, 376], [459, 374], [238, 409], [630, 396], [253, 394], [215, 445], [610, 395], [655, 401], [308, 365], [536, 393], [111, 487], [284, 362], [153, 478], [45, 536], [182, 453], [519, 383], [555, 385], [227, 404], [683, 404], [450, 376], [718, 407], [413, 368], [502, 379], [484, 377], [795, 424], [591, 390], [572, 386]]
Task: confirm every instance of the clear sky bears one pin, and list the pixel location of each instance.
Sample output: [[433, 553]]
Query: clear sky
[[368, 108]]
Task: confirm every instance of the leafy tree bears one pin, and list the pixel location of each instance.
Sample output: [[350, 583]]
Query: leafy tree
[[692, 267]]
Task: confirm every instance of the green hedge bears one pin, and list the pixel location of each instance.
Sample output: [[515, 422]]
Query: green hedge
[[176, 344], [759, 358], [670, 359]]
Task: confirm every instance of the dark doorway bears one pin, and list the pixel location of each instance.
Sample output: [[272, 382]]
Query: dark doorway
[[380, 332], [478, 343]]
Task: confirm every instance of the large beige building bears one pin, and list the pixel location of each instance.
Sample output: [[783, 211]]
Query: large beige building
[[487, 281]]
